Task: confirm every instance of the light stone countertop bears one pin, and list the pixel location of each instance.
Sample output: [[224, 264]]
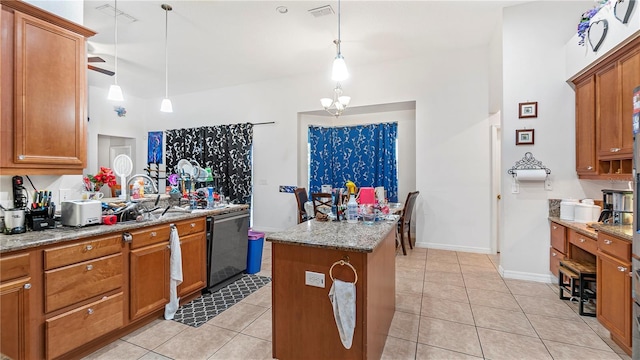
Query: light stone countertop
[[61, 233], [338, 235], [622, 231]]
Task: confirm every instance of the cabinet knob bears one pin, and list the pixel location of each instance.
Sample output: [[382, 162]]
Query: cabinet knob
[[89, 311], [88, 247], [607, 242], [582, 240], [20, 157], [193, 225], [554, 254], [89, 267], [126, 237], [27, 286], [153, 234], [622, 268], [555, 227], [615, 149], [589, 167]]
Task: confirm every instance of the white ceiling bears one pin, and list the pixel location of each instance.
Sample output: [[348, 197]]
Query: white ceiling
[[216, 44]]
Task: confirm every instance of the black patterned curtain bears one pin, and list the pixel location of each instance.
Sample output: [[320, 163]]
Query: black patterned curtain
[[226, 149]]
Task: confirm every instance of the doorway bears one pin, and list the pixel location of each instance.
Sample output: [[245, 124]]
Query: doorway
[[496, 144]]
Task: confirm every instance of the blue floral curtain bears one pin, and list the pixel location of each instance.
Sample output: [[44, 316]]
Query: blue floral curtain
[[364, 154]]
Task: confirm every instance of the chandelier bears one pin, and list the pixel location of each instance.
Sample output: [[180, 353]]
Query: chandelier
[[339, 102], [339, 72]]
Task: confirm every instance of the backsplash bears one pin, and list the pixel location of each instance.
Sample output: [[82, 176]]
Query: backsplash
[[554, 207]]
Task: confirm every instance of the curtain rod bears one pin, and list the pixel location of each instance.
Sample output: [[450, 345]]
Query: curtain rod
[[263, 123]]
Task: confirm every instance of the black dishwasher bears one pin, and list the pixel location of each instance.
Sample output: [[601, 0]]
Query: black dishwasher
[[227, 243]]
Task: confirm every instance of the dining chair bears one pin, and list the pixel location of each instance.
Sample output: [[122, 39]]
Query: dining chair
[[319, 200], [404, 223], [301, 198]]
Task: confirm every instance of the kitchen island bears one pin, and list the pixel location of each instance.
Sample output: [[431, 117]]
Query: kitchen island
[[303, 321]]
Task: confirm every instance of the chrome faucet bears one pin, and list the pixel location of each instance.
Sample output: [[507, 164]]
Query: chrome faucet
[[133, 177]]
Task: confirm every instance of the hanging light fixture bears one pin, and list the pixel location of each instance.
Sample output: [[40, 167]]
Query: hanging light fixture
[[339, 102], [115, 92], [166, 103], [339, 71]]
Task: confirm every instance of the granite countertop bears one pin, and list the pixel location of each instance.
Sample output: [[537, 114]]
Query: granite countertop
[[338, 235], [622, 231], [61, 233]]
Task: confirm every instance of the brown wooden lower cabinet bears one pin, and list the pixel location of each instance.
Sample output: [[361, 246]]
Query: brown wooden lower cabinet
[[148, 279], [194, 272], [14, 324], [613, 307], [69, 330]]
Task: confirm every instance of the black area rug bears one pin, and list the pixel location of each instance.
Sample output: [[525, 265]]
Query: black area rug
[[208, 306]]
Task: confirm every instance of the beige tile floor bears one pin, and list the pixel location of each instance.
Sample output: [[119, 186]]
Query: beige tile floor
[[449, 305]]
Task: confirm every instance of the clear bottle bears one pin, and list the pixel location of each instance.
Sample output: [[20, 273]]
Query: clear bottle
[[352, 210]]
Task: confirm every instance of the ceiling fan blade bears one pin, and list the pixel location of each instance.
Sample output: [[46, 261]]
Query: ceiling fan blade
[[95, 59], [107, 72]]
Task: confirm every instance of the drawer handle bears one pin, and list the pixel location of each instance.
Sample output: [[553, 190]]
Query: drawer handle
[[582, 240], [126, 237], [88, 248], [89, 311], [89, 267], [622, 268], [27, 286], [607, 242], [554, 254], [153, 234], [193, 225], [589, 167], [615, 149], [555, 227]]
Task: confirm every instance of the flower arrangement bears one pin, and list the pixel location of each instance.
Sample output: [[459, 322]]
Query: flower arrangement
[[585, 19], [95, 182]]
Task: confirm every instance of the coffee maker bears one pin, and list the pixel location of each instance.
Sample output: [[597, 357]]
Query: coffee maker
[[617, 207]]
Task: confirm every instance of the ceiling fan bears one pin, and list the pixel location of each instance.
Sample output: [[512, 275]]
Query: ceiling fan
[[93, 59]]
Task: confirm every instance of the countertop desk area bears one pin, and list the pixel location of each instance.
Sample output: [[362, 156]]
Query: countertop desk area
[[303, 321]]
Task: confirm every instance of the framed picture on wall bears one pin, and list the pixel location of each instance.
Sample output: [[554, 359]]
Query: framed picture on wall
[[528, 110], [524, 137]]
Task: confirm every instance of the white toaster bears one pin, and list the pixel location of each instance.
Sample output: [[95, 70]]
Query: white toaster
[[81, 212]]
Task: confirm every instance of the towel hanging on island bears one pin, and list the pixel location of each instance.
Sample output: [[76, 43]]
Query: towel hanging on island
[[175, 270], [343, 299]]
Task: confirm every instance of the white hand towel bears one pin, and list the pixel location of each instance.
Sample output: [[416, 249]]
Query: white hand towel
[[175, 270], [343, 298]]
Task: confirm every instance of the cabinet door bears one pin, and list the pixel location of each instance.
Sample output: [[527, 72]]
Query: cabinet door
[[609, 127], [194, 264], [629, 71], [49, 95], [149, 279], [613, 307], [585, 127], [14, 327]]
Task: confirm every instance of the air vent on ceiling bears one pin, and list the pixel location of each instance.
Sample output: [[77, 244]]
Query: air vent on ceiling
[[322, 11], [109, 10]]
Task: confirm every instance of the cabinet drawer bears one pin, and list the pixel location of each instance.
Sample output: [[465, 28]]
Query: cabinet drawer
[[614, 246], [558, 237], [584, 242], [68, 285], [191, 226], [92, 249], [79, 326], [14, 266], [150, 235], [554, 260]]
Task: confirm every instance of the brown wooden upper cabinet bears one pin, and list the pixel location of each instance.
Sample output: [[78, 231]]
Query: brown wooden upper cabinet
[[43, 87], [604, 137]]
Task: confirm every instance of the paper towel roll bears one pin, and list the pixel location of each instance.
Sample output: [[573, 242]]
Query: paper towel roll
[[531, 175]]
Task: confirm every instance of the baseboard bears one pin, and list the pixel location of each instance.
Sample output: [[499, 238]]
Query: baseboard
[[519, 275], [453, 248]]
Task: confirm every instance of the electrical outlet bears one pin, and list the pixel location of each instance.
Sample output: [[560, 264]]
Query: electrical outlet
[[314, 279], [65, 194], [547, 185]]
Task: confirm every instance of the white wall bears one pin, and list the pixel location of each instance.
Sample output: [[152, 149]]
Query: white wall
[[69, 9]]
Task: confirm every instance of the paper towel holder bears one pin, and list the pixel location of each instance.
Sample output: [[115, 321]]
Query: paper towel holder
[[528, 162]]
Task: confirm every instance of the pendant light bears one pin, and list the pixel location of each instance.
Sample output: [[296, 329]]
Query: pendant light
[[339, 71], [166, 103], [115, 92]]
